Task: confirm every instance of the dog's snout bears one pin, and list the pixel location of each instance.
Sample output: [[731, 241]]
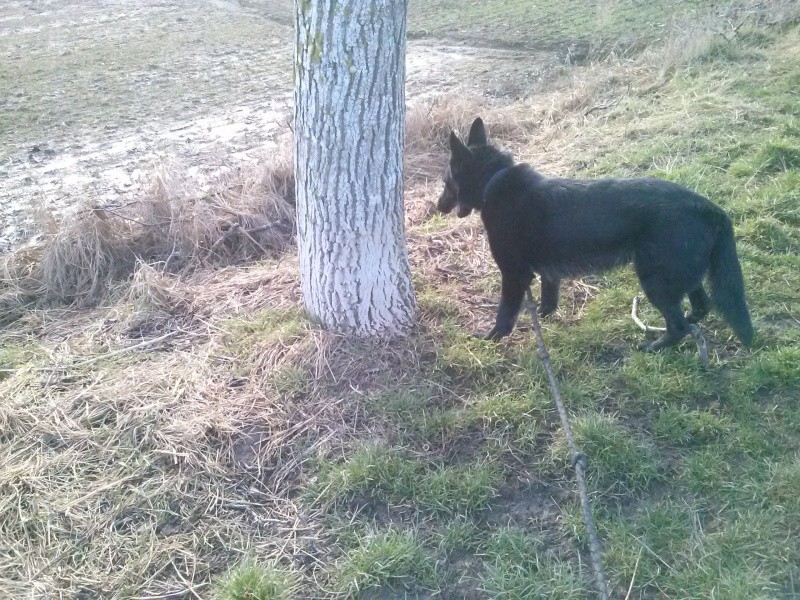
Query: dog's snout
[[447, 201]]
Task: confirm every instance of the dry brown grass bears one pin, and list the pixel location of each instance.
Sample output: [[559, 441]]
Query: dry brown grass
[[148, 472], [208, 294], [247, 214], [686, 42], [146, 478], [428, 126]]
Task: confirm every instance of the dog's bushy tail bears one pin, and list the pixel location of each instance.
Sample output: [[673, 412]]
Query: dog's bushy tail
[[727, 285]]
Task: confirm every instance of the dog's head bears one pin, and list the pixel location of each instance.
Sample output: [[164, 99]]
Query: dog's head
[[463, 178]]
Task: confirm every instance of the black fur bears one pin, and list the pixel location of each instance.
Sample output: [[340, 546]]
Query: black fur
[[568, 227]]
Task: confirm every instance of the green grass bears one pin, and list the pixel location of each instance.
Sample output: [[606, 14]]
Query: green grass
[[772, 370], [460, 535], [254, 581], [437, 303], [781, 484], [668, 377], [12, 357], [683, 427], [387, 476], [384, 560], [618, 459], [518, 568], [265, 328], [545, 24], [465, 356], [680, 551]]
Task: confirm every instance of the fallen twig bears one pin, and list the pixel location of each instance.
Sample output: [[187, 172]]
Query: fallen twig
[[143, 344], [606, 105], [229, 233]]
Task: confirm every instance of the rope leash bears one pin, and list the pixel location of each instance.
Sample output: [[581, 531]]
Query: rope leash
[[577, 458]]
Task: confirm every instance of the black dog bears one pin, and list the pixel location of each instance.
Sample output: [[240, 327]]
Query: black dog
[[567, 227]]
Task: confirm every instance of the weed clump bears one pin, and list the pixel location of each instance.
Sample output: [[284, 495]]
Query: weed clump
[[391, 559], [254, 581]]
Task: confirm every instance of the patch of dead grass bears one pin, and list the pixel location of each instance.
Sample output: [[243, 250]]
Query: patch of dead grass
[[210, 294], [150, 472], [428, 126], [246, 215]]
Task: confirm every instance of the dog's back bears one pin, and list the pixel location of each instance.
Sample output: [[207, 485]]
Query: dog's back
[[569, 227]]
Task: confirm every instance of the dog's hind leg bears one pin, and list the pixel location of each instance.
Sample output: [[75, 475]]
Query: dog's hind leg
[[701, 305], [549, 295], [513, 291], [670, 264], [668, 301], [677, 329]]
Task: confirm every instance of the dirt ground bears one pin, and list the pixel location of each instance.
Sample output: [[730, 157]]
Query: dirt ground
[[97, 96]]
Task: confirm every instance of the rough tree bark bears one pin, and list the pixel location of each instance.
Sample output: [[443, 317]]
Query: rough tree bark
[[349, 123]]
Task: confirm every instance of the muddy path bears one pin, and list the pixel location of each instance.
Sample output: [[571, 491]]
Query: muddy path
[[98, 95]]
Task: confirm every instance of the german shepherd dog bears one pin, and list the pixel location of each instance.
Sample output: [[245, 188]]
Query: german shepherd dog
[[568, 227]]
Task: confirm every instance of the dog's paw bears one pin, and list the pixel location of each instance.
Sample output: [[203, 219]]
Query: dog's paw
[[544, 311], [665, 341], [496, 334]]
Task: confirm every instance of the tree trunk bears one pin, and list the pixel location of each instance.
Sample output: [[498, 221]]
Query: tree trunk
[[349, 122]]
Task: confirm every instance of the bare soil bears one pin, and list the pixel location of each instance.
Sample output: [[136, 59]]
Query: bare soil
[[96, 96]]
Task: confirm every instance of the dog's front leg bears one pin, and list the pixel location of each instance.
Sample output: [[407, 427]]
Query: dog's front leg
[[513, 290], [549, 295]]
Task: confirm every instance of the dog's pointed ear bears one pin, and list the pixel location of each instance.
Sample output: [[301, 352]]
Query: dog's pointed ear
[[458, 149], [477, 134]]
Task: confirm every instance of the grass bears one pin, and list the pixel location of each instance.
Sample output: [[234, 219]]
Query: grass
[[95, 74], [251, 455], [469, 357], [459, 535], [254, 581], [268, 327], [389, 477], [682, 427], [592, 26], [619, 461], [732, 558], [390, 559], [245, 216], [11, 356], [517, 569], [743, 553]]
